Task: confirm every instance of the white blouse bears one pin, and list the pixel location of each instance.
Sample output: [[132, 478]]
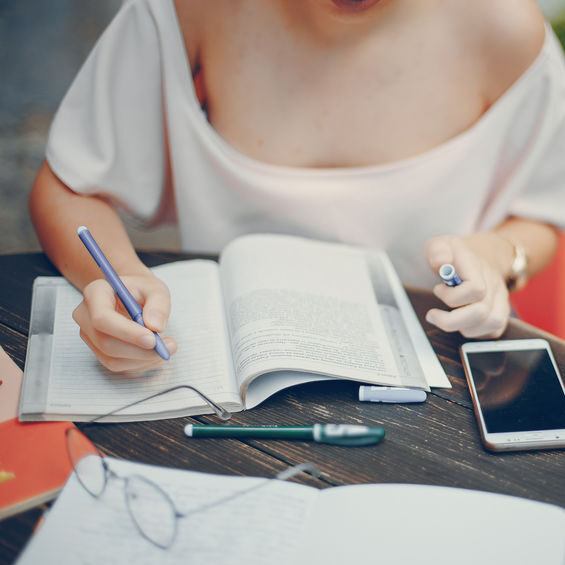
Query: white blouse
[[135, 95]]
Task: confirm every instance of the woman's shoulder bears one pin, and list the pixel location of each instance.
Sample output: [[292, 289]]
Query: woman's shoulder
[[507, 37]]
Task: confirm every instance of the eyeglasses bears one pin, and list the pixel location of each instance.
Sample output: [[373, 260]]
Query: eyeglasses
[[150, 507]]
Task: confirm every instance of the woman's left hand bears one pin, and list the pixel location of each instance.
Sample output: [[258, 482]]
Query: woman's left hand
[[480, 306]]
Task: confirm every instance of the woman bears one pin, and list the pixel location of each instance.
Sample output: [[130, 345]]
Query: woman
[[430, 128]]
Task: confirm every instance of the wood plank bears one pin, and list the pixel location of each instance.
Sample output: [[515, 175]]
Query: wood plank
[[14, 343], [163, 443], [436, 442]]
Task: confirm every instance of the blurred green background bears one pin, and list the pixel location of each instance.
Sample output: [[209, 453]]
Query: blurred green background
[[554, 11], [559, 28]]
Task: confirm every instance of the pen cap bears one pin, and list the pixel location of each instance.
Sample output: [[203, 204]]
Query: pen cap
[[449, 275], [347, 435]]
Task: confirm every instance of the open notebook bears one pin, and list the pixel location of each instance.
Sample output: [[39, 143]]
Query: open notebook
[[284, 522]]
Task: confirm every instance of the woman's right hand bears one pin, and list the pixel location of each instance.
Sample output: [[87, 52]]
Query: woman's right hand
[[105, 326]]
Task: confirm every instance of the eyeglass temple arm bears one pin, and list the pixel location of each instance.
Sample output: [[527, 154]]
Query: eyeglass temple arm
[[221, 412], [309, 468]]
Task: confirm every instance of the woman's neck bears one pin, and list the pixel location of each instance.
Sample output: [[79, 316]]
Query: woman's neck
[[336, 21]]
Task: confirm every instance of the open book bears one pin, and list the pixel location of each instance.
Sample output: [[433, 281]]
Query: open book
[[282, 522], [275, 311]]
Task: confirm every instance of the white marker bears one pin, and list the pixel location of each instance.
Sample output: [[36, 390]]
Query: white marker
[[391, 394], [449, 275]]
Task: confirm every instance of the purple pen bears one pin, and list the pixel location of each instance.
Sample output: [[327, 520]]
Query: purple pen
[[449, 275], [129, 302]]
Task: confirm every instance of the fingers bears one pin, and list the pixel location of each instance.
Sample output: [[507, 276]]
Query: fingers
[[119, 343], [479, 306], [128, 359], [100, 313], [439, 250], [468, 292], [453, 250], [157, 306], [473, 321]]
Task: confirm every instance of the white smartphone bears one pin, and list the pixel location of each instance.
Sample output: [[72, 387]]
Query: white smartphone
[[518, 393]]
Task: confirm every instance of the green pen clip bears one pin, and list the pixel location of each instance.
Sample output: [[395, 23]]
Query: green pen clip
[[347, 435]]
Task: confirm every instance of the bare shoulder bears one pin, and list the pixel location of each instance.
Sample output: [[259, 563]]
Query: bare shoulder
[[506, 35], [513, 30]]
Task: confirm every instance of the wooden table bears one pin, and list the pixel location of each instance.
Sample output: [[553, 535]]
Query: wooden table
[[436, 442]]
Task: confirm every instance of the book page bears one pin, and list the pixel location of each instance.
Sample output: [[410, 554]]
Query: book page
[[296, 304], [416, 360], [429, 525], [80, 386], [10, 387], [262, 526]]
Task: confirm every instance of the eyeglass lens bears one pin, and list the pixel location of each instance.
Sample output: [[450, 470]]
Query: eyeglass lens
[[151, 510], [150, 507], [87, 463]]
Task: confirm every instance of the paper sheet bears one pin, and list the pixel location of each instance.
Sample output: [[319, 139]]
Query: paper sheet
[[10, 387]]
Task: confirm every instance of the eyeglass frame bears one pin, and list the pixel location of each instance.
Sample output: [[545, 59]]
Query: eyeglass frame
[[223, 414], [109, 473], [284, 475]]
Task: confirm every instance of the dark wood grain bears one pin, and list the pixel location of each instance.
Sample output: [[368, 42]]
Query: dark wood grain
[[436, 442]]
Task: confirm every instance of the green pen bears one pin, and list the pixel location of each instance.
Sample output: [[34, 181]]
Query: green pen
[[335, 434]]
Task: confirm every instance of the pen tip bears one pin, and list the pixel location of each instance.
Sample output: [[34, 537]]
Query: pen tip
[[81, 229]]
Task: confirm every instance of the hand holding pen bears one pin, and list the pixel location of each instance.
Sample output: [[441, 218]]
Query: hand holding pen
[[470, 286], [121, 342]]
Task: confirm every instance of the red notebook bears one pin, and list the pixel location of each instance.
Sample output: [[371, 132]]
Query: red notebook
[[34, 464]]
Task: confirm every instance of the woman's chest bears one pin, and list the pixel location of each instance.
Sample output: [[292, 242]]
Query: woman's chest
[[336, 109]]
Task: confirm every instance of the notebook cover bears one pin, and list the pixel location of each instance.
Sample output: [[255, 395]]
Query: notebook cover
[[34, 464]]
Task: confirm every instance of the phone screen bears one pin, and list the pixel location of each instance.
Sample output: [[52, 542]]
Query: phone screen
[[518, 390]]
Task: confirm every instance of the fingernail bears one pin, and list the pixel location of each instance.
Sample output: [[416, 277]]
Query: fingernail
[[171, 345], [430, 318], [147, 341]]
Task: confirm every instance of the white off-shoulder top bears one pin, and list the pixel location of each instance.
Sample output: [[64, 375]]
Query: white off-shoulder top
[[135, 96]]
